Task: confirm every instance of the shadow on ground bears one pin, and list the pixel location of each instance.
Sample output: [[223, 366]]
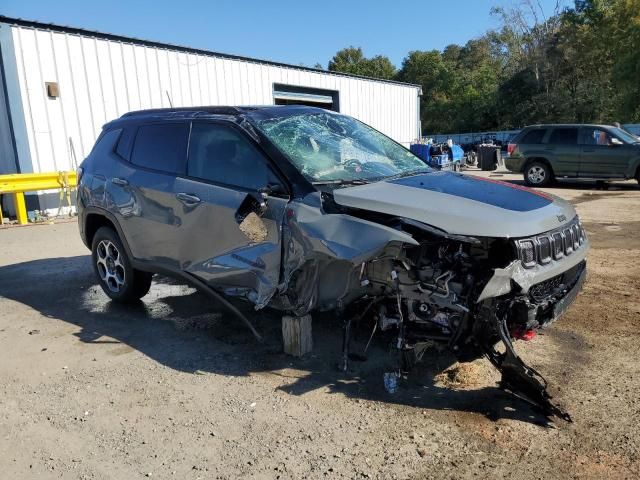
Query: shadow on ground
[[182, 329]]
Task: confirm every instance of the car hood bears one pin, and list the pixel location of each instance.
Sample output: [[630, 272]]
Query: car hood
[[462, 204]]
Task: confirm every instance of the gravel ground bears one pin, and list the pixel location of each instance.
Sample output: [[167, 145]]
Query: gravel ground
[[174, 388]]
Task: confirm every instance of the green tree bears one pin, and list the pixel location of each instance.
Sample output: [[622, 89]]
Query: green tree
[[352, 60], [578, 64], [429, 70]]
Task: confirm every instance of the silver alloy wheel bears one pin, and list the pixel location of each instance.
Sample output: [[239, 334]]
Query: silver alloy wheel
[[109, 263], [536, 174]]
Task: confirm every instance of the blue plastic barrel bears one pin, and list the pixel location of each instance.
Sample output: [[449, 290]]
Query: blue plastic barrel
[[421, 151]]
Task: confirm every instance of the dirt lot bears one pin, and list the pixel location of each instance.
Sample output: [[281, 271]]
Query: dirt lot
[[174, 388]]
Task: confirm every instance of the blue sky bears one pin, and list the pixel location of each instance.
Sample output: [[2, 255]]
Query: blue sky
[[290, 31]]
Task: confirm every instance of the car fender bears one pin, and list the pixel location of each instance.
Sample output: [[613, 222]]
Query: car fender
[[544, 158], [634, 168], [93, 210]]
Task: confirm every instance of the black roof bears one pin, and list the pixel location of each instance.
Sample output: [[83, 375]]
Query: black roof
[[230, 112], [198, 51], [205, 109]]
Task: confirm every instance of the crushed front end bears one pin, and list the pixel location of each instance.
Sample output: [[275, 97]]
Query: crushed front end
[[474, 295]]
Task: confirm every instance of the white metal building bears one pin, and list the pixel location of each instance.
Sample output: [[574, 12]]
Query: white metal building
[[61, 84]]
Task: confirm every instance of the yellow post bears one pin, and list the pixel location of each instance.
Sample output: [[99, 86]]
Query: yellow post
[[21, 208], [18, 183]]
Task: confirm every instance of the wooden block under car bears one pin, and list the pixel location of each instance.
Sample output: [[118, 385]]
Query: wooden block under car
[[296, 335]]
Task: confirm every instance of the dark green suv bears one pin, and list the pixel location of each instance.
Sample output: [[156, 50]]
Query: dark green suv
[[602, 152]]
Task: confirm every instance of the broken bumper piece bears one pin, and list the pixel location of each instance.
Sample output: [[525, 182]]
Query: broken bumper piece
[[520, 379]]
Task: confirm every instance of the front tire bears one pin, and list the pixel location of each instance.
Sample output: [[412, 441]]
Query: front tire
[[118, 279], [537, 174]]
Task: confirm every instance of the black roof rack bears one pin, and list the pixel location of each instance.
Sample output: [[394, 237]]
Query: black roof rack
[[235, 112], [213, 110]]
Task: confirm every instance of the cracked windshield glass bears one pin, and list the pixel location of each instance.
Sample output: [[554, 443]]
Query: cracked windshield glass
[[331, 148]]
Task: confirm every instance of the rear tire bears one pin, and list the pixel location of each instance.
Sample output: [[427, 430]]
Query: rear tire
[[118, 279], [537, 174]]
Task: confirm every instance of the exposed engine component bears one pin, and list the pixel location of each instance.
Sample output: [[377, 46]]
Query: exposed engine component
[[430, 294]]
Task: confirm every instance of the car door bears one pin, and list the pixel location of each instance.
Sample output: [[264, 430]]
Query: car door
[[603, 154], [142, 192], [231, 231], [563, 151]]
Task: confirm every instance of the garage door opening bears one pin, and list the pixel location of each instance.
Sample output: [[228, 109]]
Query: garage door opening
[[313, 97]]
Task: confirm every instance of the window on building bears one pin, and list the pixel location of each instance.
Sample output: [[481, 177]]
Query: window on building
[[161, 146], [221, 154], [312, 97]]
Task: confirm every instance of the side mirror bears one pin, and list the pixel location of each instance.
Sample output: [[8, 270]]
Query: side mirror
[[616, 142], [272, 189], [254, 202]]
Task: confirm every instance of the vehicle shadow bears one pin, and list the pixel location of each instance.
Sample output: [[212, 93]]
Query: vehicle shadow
[[183, 329]]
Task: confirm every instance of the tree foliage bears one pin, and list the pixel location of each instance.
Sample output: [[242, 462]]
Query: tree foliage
[[578, 64], [352, 60]]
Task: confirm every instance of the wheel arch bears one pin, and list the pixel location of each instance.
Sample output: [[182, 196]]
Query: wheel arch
[[96, 218], [532, 159]]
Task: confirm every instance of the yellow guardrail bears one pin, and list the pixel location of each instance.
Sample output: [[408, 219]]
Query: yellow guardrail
[[18, 183]]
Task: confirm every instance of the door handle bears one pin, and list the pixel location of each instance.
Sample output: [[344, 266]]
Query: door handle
[[120, 181], [187, 198], [588, 150]]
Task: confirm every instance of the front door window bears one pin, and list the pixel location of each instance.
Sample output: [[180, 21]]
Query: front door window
[[596, 136]]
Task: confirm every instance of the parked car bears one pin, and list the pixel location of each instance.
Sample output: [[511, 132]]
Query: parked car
[[303, 209], [543, 153]]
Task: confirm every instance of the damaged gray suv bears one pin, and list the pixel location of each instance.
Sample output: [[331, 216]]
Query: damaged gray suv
[[302, 209]]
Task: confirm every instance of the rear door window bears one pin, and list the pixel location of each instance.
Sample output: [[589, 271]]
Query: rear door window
[[162, 146], [221, 154], [564, 136], [533, 137]]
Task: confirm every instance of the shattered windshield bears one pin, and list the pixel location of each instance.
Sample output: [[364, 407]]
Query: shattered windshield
[[327, 147]]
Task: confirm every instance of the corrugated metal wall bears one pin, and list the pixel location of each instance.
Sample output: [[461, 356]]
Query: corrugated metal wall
[[100, 80]]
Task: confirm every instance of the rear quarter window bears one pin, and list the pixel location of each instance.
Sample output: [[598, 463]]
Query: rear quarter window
[[123, 147], [533, 137], [105, 143], [161, 147]]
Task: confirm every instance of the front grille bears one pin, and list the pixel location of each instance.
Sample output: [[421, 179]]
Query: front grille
[[528, 252], [554, 244], [568, 241], [541, 291], [544, 249], [557, 245]]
